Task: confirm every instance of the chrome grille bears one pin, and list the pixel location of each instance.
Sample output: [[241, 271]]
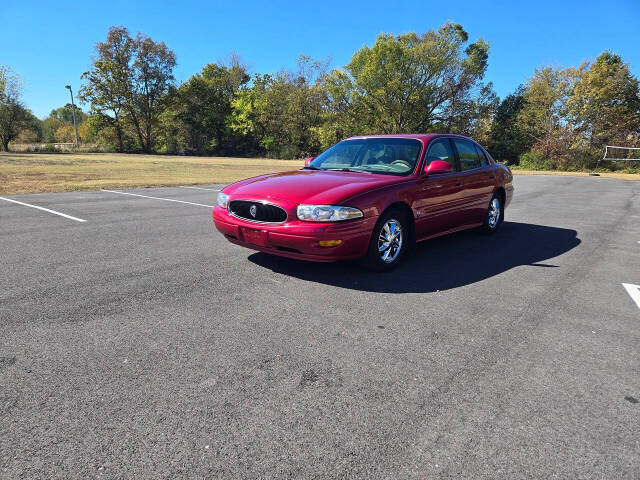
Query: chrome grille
[[257, 211]]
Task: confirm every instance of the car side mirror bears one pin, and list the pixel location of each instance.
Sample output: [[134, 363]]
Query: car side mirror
[[307, 161], [438, 166]]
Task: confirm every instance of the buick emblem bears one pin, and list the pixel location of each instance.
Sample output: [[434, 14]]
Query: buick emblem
[[253, 210]]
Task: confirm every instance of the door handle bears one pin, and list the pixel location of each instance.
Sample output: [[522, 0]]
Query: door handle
[[458, 184]]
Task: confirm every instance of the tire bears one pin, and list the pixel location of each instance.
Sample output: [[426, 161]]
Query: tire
[[494, 216], [384, 255]]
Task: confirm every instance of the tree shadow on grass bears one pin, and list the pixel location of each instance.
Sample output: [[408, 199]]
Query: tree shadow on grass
[[439, 264]]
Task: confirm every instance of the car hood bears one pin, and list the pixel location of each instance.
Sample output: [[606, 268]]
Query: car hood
[[309, 186]]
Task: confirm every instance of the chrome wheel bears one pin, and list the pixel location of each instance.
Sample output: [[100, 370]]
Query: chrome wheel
[[494, 213], [390, 240]]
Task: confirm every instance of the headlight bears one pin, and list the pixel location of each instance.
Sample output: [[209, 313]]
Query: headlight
[[222, 199], [327, 213]]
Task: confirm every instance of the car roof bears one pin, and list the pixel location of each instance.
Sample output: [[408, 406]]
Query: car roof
[[418, 136]]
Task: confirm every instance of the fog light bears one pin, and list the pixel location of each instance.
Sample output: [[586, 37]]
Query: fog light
[[329, 243]]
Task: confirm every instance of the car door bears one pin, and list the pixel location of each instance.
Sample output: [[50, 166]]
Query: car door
[[478, 180], [438, 197]]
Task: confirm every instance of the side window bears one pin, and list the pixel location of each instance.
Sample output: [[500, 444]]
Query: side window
[[467, 153], [441, 150], [483, 158]]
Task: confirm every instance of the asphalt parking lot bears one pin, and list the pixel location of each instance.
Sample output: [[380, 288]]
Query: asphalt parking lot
[[140, 343]]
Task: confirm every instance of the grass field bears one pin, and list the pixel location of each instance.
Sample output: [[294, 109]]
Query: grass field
[[59, 172]]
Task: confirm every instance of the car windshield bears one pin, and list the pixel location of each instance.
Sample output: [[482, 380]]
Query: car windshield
[[389, 156]]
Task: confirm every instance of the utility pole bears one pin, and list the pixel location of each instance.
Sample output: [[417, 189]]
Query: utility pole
[[73, 110]]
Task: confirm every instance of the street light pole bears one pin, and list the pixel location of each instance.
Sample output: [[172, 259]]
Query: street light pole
[[73, 110]]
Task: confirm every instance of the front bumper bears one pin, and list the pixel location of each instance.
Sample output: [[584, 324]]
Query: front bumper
[[297, 239], [508, 194]]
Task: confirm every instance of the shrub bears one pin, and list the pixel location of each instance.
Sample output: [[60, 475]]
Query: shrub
[[533, 160], [289, 152], [579, 161], [50, 148]]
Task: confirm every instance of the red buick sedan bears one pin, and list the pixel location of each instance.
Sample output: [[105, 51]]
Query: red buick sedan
[[368, 197]]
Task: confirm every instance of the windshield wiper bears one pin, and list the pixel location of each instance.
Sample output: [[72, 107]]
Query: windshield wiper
[[310, 167], [347, 169]]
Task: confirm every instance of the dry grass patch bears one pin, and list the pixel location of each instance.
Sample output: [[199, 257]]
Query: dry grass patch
[[59, 172]]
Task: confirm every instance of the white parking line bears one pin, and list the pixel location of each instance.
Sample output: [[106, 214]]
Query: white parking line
[[634, 291], [201, 188], [44, 209], [157, 198]]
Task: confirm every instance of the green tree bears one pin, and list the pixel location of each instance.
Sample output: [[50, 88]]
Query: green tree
[[107, 134], [152, 78], [127, 84], [248, 119], [14, 117], [340, 114], [470, 112], [65, 114], [108, 83], [55, 126], [199, 110], [49, 127], [543, 118], [605, 104], [65, 133], [31, 129], [281, 112], [507, 141], [408, 82]]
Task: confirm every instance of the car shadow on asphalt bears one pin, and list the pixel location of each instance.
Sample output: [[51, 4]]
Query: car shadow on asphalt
[[439, 264]]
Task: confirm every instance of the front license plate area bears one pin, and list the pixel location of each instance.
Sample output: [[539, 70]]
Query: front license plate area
[[255, 237]]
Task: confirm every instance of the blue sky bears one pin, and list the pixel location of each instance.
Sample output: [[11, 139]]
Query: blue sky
[[51, 43]]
